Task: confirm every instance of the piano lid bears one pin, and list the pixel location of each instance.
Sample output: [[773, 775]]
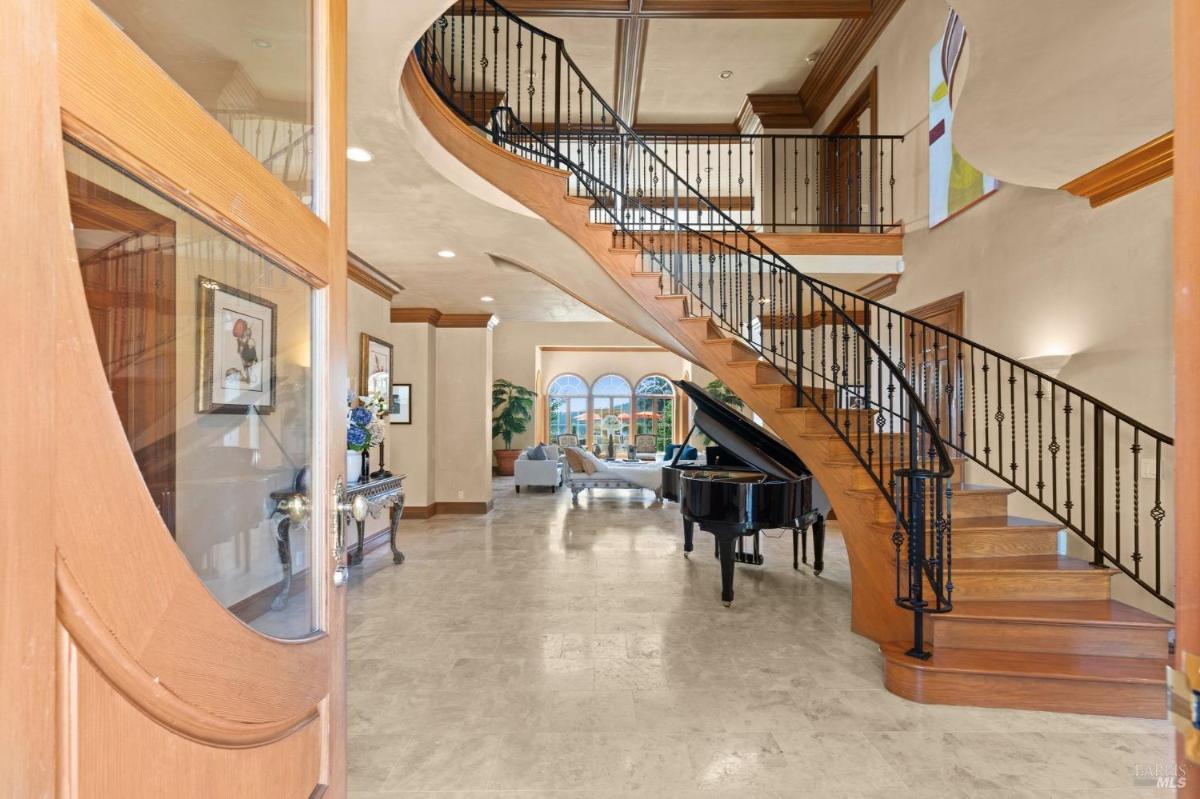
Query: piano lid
[[753, 444]]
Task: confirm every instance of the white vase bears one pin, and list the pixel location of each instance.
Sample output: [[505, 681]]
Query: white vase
[[353, 466]]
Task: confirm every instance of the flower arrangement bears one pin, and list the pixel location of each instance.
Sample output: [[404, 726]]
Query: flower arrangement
[[365, 424]]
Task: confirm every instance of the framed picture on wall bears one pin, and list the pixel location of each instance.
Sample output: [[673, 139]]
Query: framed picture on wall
[[235, 350], [400, 405], [374, 366]]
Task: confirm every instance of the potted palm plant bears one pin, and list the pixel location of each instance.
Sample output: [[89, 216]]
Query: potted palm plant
[[512, 406]]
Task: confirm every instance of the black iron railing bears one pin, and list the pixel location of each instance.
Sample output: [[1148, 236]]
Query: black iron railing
[[894, 388]]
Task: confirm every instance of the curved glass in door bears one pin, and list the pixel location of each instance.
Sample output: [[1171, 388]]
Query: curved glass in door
[[207, 349]]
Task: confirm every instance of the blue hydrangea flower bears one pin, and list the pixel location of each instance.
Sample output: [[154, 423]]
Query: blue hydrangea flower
[[356, 437], [360, 416]]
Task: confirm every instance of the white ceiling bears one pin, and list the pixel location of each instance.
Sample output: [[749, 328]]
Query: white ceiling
[[685, 57], [200, 43]]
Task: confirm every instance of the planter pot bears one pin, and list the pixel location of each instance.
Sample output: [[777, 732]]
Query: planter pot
[[505, 458], [353, 466]]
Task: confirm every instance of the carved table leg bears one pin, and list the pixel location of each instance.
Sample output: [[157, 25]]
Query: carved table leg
[[394, 522], [283, 539]]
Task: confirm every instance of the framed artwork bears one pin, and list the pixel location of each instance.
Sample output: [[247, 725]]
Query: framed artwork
[[235, 350], [954, 185], [400, 404], [374, 366]]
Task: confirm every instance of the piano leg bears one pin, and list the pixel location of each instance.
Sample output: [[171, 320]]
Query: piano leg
[[687, 537], [725, 548], [819, 545], [799, 546], [283, 540]]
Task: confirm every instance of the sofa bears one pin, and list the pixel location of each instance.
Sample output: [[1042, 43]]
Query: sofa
[[546, 473]]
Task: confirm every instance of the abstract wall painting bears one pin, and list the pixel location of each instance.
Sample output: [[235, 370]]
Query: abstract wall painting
[[954, 185]]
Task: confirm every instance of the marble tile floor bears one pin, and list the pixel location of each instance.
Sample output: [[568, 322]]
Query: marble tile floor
[[551, 649]]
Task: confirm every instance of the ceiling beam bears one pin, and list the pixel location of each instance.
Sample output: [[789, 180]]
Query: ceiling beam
[[695, 9], [631, 55], [845, 51]]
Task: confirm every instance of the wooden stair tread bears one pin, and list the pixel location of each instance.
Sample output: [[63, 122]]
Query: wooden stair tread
[[1004, 524], [1028, 563], [1043, 665], [1107, 612]]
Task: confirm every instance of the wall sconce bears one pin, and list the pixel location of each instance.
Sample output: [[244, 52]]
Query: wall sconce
[[1050, 364]]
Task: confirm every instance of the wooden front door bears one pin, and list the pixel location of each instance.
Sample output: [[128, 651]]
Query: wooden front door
[[134, 663]]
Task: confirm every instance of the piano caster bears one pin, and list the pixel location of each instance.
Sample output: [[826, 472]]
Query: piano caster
[[727, 604]]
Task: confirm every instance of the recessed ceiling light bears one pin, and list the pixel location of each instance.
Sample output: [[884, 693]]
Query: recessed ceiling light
[[263, 43], [487, 299], [812, 57], [445, 253], [727, 74], [359, 154]]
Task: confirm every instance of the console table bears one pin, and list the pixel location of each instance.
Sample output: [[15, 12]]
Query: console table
[[380, 492]]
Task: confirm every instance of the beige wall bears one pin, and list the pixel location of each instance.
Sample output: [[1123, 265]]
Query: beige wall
[[462, 426], [446, 451], [1042, 271]]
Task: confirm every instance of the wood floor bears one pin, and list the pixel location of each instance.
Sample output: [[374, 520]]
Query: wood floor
[[558, 650]]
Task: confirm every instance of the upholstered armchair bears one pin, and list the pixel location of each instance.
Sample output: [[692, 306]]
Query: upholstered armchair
[[548, 472], [646, 447]]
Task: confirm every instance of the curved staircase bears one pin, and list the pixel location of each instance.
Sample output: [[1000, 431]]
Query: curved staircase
[[969, 604]]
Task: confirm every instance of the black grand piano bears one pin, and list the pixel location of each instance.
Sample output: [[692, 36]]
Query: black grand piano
[[751, 482]]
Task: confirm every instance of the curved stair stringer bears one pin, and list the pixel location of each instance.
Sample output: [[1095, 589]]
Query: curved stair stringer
[[1003, 647], [544, 191]]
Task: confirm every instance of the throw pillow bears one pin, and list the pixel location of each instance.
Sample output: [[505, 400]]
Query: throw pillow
[[575, 460], [591, 464], [537, 453]]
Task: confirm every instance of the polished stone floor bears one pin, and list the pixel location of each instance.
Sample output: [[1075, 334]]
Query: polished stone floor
[[558, 650]]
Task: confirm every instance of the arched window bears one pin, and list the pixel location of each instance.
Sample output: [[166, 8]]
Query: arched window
[[567, 402], [612, 405], [655, 409]]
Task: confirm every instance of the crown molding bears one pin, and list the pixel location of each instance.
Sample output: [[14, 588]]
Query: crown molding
[[774, 111], [845, 51], [1127, 173], [434, 317], [880, 287], [371, 278]]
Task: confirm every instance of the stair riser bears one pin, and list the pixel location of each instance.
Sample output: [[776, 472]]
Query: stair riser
[[1067, 639], [982, 544], [967, 505], [1139, 700], [1032, 586]]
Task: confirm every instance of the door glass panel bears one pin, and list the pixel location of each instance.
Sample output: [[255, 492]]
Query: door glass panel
[[250, 65], [207, 349]]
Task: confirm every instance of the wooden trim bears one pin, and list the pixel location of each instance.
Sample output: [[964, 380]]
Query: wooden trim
[[865, 97], [1186, 318], [952, 303], [428, 316], [119, 104], [890, 243], [775, 111], [432, 316], [843, 54], [687, 128], [694, 9], [601, 348], [880, 287], [371, 278], [443, 508], [89, 632], [1125, 174], [34, 226]]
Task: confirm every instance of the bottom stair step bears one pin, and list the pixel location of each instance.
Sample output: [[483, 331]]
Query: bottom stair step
[[1110, 686], [1084, 627]]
